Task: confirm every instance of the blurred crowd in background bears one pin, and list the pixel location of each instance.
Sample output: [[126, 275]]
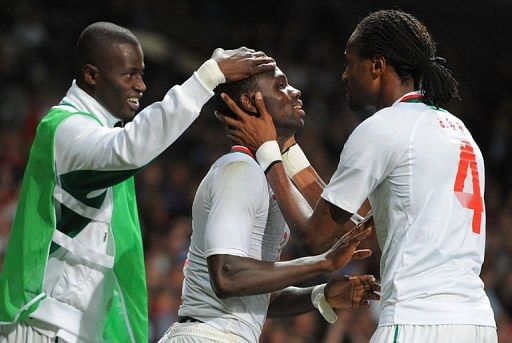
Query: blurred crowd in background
[[307, 38]]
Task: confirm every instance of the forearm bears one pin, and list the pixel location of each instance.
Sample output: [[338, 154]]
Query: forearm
[[290, 301], [309, 184], [82, 143], [296, 216], [303, 175], [241, 276]]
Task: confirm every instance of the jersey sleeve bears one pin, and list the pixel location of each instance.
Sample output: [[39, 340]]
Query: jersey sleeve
[[238, 195], [114, 154], [369, 155]]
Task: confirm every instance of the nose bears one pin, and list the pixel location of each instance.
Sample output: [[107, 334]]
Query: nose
[[140, 86], [344, 76], [295, 92]]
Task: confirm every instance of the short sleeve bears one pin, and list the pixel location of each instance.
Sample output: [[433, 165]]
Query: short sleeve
[[239, 193], [369, 155]]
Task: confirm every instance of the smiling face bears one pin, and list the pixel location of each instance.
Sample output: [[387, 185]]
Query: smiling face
[[282, 102], [118, 82], [361, 85]]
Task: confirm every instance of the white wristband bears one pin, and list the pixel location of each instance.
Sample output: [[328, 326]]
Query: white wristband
[[267, 154], [294, 160], [210, 74], [319, 302], [356, 218]]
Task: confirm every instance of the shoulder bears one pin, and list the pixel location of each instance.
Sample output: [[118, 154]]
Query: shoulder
[[75, 126], [239, 178], [390, 125], [238, 166]]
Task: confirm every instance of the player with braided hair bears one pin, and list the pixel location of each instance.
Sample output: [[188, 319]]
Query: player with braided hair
[[410, 50], [422, 172]]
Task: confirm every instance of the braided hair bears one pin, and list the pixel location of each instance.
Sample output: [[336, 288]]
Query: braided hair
[[406, 44]]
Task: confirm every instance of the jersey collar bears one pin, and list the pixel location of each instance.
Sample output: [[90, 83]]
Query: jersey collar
[[243, 150], [415, 96], [83, 102]]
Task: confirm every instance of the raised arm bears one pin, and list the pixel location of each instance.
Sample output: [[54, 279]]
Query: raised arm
[[305, 178], [317, 231], [84, 146]]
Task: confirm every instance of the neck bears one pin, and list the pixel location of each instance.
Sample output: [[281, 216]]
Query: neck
[[394, 88]]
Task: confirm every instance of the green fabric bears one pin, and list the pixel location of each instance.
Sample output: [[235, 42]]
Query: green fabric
[[27, 253], [129, 259], [395, 337]]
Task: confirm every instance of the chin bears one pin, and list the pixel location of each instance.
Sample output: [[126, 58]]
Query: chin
[[356, 105]]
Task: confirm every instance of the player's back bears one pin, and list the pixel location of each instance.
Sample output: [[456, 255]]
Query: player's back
[[430, 219]]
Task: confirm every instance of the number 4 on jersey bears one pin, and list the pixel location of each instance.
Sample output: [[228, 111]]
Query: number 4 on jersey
[[473, 201]]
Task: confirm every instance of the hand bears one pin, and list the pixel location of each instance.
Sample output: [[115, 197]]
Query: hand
[[241, 63], [344, 250], [246, 129], [351, 291]]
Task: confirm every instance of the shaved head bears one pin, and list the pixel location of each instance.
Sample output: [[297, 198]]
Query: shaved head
[[97, 41]]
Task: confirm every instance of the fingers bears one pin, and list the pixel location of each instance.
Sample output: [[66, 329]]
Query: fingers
[[241, 63], [227, 120], [234, 108], [260, 106], [361, 254]]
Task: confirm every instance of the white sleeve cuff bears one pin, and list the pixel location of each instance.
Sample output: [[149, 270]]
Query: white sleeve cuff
[[294, 160], [267, 154], [210, 74], [319, 302]]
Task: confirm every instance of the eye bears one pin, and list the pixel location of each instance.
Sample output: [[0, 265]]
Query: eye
[[281, 85]]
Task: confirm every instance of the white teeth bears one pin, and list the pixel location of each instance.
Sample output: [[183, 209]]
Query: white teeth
[[133, 100], [297, 107]]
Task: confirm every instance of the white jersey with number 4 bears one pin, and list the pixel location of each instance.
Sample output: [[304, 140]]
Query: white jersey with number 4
[[424, 176]]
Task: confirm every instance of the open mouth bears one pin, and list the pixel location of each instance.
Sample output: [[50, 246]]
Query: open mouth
[[133, 103]]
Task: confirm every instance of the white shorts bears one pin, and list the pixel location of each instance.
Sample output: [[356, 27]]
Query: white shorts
[[435, 334], [23, 333], [197, 333]]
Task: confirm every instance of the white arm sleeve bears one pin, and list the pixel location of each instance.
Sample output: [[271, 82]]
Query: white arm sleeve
[[369, 155], [82, 144], [239, 194]]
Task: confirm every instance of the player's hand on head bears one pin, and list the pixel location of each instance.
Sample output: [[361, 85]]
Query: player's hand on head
[[239, 64], [246, 129], [351, 291]]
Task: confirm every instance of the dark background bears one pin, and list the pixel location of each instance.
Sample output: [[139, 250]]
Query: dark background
[[307, 38]]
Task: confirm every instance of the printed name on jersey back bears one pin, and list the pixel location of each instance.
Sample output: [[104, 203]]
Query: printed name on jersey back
[[445, 123]]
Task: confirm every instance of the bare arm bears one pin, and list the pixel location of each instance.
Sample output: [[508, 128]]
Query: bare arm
[[238, 276], [305, 178], [328, 222]]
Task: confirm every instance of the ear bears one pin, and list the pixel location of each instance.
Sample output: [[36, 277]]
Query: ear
[[90, 74], [378, 66], [248, 103]]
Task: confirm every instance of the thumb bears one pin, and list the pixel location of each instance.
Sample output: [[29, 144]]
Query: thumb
[[361, 254], [260, 106]]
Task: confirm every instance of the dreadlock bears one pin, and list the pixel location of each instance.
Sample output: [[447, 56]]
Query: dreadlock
[[406, 44]]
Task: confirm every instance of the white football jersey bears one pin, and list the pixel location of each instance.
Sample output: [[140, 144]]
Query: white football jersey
[[233, 213], [424, 176]]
